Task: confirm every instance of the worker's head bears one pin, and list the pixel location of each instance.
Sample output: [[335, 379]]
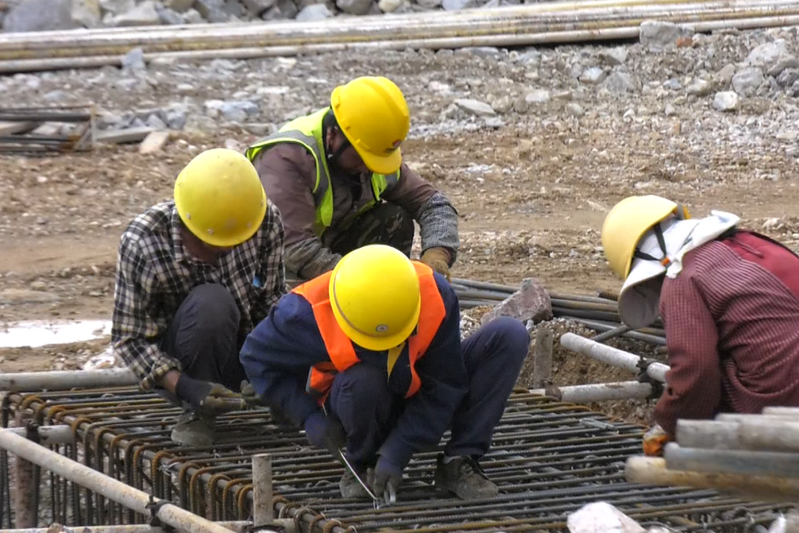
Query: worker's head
[[374, 293], [370, 119], [220, 199], [637, 237]]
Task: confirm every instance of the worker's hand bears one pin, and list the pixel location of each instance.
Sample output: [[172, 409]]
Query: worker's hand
[[323, 432], [249, 395], [654, 441], [209, 398], [386, 474], [437, 258]]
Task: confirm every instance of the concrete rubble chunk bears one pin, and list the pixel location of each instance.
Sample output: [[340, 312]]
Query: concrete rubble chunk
[[143, 14], [193, 16], [601, 517], [40, 15], [538, 96], [593, 76], [574, 109], [175, 118], [767, 54], [86, 13], [429, 4], [285, 9], [256, 7], [746, 81], [699, 87], [354, 7], [621, 82], [725, 101], [181, 6], [660, 35], [211, 10], [475, 107], [170, 17], [788, 77], [314, 12], [724, 76], [389, 6], [457, 5], [134, 59], [154, 142], [530, 302], [614, 56], [117, 7]]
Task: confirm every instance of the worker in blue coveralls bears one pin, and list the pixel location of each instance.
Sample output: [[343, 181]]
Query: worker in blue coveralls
[[375, 344]]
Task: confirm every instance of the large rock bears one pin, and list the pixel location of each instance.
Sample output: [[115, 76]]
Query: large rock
[[143, 14], [768, 54], [314, 12], [475, 107], [257, 7], [621, 82], [354, 7], [87, 13], [659, 35], [746, 81], [725, 101], [531, 302], [40, 15]]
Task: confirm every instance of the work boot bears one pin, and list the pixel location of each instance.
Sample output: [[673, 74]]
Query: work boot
[[465, 478], [192, 429], [349, 486]]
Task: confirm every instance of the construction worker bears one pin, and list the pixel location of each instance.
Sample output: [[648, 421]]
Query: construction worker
[[729, 300], [339, 181], [194, 275], [376, 345]]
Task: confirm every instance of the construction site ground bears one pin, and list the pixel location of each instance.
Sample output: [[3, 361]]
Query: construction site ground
[[532, 186]]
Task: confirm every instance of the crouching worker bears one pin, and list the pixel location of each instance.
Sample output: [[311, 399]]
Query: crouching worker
[[377, 343], [729, 300], [194, 275]]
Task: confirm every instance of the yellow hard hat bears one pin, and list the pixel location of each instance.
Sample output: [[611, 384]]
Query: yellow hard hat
[[220, 198], [374, 293], [374, 117], [627, 222]]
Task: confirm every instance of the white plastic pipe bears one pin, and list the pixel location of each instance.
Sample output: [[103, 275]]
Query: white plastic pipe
[[49, 435], [107, 486], [601, 392], [66, 379], [612, 356]]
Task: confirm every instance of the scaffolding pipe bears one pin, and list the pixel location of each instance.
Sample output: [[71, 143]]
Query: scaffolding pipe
[[612, 356], [602, 392], [653, 471], [49, 435], [238, 527], [744, 462], [263, 510], [109, 487], [66, 379], [708, 434]]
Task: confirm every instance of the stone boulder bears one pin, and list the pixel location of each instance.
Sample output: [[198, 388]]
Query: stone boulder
[[530, 302]]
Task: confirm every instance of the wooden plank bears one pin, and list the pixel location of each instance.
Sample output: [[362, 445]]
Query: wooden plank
[[129, 135], [154, 142]]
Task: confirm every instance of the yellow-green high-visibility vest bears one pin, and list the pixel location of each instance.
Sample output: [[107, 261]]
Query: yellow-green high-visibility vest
[[307, 132]]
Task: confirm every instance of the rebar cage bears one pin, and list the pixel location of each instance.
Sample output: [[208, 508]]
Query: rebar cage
[[549, 459]]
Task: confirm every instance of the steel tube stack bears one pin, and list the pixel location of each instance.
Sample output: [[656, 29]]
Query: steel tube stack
[[540, 23]]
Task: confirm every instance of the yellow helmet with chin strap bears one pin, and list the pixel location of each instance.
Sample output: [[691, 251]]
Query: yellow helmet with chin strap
[[219, 197], [628, 221], [374, 293], [372, 113]]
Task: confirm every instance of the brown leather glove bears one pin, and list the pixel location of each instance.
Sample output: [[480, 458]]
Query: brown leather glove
[[654, 441], [438, 259]]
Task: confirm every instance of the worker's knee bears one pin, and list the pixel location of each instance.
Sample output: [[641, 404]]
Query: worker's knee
[[512, 338], [213, 309], [360, 387]]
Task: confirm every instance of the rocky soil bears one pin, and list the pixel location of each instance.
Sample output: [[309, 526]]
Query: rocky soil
[[533, 146]]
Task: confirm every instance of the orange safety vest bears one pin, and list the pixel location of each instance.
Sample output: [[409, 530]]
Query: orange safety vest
[[339, 346]]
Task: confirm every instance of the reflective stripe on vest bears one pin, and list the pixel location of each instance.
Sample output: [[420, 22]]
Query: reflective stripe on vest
[[307, 132], [339, 346]]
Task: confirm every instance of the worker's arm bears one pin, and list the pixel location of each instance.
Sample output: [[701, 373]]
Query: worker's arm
[[271, 275], [278, 355], [134, 333], [437, 217], [288, 174], [428, 413], [693, 385]]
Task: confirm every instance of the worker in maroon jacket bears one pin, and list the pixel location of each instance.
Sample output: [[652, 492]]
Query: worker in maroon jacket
[[729, 300], [369, 357]]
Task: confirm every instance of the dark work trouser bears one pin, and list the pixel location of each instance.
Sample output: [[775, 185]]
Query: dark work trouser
[[368, 410], [203, 336]]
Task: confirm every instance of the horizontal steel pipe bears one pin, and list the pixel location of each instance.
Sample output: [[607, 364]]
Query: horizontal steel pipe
[[49, 435], [708, 434], [107, 486], [602, 392], [744, 462], [66, 379], [635, 335], [611, 356], [653, 471]]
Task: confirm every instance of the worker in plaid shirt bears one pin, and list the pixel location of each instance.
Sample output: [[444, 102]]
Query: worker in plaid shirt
[[194, 276]]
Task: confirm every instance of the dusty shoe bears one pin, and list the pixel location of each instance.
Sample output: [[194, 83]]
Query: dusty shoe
[[349, 486], [465, 478], [192, 429]]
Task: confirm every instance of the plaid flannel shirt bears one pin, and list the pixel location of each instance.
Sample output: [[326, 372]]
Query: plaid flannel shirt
[[155, 274]]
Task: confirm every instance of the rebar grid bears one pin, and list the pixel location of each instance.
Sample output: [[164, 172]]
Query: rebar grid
[[549, 458]]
